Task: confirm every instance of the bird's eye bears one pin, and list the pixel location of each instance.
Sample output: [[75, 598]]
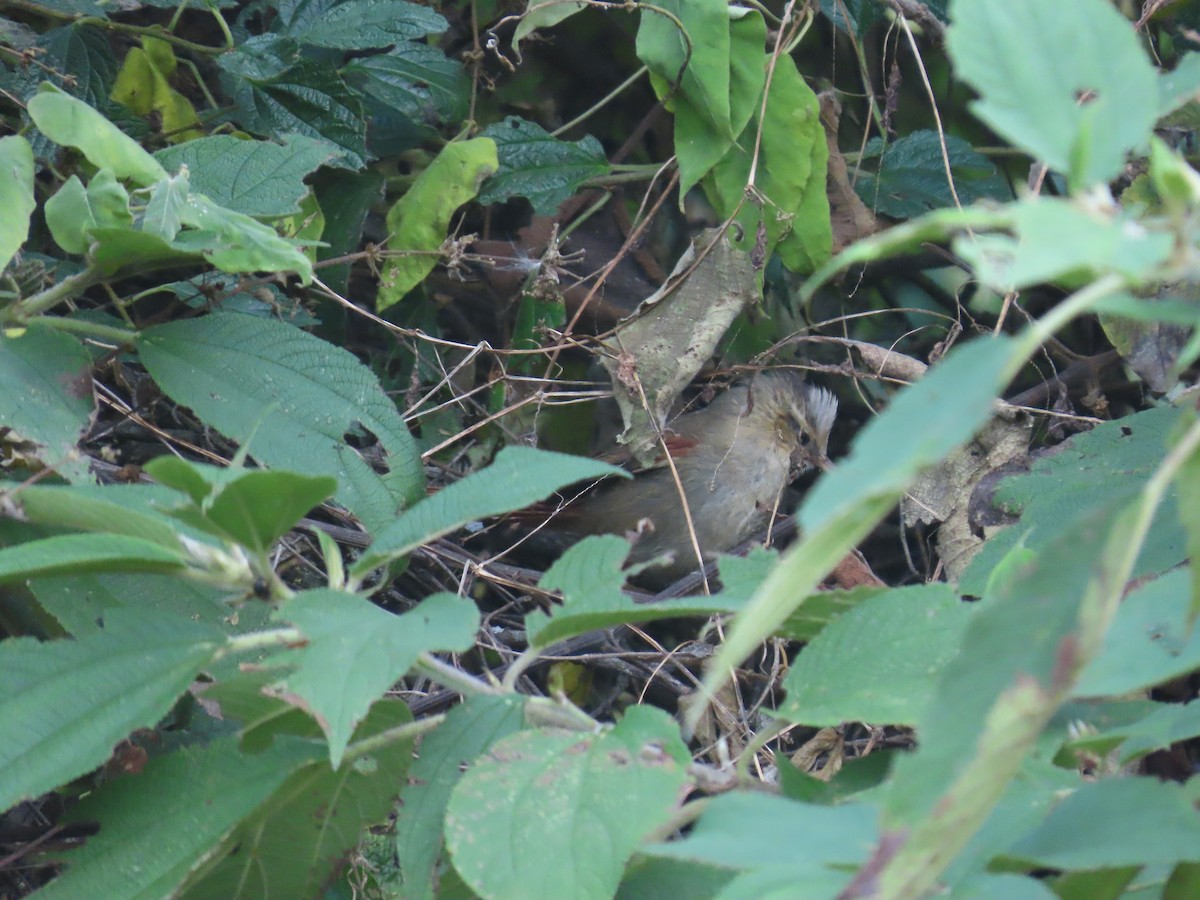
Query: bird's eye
[[805, 439]]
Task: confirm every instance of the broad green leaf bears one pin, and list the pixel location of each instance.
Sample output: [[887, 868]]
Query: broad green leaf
[[66, 554], [254, 508], [1115, 822], [355, 651], [83, 603], [79, 58], [1084, 95], [586, 801], [108, 201], [120, 250], [51, 373], [345, 198], [469, 729], [1058, 239], [73, 123], [296, 395], [142, 87], [940, 225], [1150, 640], [256, 178], [999, 693], [67, 703], [359, 24], [16, 195], [300, 836], [908, 634], [167, 206], [417, 80], [543, 15], [261, 57], [908, 176], [307, 98], [542, 168], [163, 801], [69, 217], [117, 509], [234, 242], [697, 60], [790, 176], [1180, 85], [518, 477], [1187, 483], [721, 88], [418, 221], [1115, 456], [745, 830], [822, 608], [591, 580]]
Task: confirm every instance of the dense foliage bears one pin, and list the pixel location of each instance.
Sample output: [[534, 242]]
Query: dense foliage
[[291, 286]]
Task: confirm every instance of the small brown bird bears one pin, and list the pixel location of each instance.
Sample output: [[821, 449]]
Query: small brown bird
[[734, 459]]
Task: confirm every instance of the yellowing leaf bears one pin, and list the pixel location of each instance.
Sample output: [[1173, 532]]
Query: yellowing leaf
[[417, 223]]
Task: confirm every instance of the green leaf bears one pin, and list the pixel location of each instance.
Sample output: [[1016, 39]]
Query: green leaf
[[542, 168], [417, 80], [296, 395], [261, 57], [1114, 457], [117, 509], [67, 703], [543, 15], [72, 123], [1017, 679], [908, 634], [586, 801], [163, 801], [1060, 240], [51, 373], [519, 476], [311, 99], [1115, 822], [234, 242], [1080, 113], [253, 508], [167, 206], [68, 216], [119, 250], [721, 88], [745, 831], [469, 729], [1179, 86], [300, 836], [590, 577], [368, 649], [418, 221], [790, 176], [1187, 483], [256, 178], [909, 177], [1150, 640], [358, 24], [16, 195], [74, 553], [79, 58]]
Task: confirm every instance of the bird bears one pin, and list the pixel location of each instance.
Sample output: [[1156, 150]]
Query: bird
[[734, 459]]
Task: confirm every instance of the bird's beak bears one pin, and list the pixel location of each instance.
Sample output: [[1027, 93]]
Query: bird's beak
[[822, 462]]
